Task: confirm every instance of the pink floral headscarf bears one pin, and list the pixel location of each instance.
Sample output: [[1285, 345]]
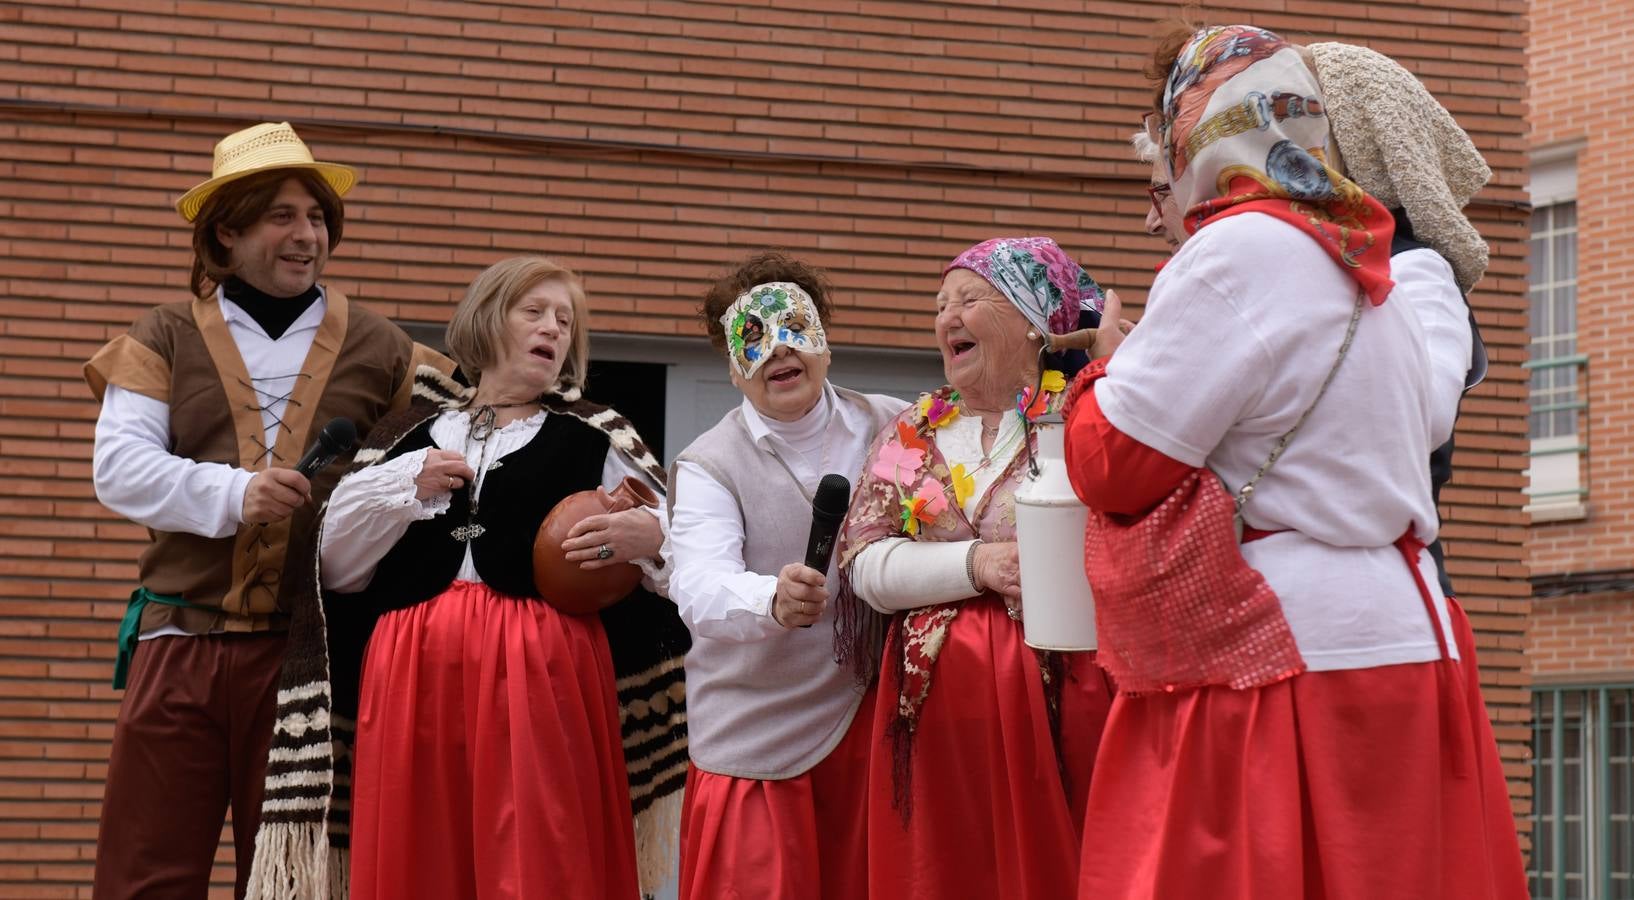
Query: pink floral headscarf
[[1039, 278]]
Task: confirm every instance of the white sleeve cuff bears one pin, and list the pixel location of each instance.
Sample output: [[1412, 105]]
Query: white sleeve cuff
[[654, 575], [368, 513], [237, 487], [389, 487], [897, 573]]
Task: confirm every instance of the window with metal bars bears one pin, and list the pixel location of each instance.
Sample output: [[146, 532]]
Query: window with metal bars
[[1583, 793]]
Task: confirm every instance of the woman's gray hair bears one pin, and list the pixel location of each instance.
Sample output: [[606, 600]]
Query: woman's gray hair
[[1145, 148]]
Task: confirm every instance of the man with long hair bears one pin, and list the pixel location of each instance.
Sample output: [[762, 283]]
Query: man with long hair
[[207, 404]]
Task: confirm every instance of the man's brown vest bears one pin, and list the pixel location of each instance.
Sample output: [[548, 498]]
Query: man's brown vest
[[360, 366]]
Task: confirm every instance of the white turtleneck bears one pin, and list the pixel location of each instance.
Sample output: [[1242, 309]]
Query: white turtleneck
[[703, 551], [806, 435]]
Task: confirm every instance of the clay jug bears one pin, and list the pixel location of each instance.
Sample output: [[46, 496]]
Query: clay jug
[[560, 581]]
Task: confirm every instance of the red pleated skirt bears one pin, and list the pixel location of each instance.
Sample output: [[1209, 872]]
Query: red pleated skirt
[[991, 816], [489, 757], [800, 838], [1346, 785]]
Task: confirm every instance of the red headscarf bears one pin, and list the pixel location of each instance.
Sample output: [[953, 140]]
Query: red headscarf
[[1244, 129]]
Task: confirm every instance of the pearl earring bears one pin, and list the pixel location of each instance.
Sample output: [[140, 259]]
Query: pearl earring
[[1032, 335]]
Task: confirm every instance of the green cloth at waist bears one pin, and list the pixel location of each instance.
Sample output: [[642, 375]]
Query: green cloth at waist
[[130, 628]]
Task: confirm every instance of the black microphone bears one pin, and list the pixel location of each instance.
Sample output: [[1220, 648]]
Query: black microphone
[[336, 438], [827, 512]]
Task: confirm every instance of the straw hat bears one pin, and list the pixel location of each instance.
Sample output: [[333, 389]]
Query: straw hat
[[261, 148]]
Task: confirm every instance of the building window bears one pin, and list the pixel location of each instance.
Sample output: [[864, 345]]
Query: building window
[[1552, 259], [1558, 371], [1583, 793]]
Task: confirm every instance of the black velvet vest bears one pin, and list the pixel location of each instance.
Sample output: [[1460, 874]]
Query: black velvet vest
[[565, 457]]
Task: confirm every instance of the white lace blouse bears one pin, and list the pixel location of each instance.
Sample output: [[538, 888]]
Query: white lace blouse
[[372, 508]]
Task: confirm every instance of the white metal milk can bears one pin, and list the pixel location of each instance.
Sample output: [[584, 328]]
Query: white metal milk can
[[1058, 611]]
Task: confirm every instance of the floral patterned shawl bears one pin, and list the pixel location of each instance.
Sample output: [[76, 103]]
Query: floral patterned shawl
[[908, 490]]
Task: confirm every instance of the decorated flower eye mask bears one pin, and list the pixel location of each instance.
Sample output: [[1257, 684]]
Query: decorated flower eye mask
[[768, 316]]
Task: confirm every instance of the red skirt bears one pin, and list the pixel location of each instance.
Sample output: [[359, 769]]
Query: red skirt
[[801, 838], [1497, 811], [489, 758], [1340, 785], [991, 816]]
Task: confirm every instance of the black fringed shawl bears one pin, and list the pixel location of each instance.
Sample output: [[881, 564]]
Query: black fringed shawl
[[301, 849]]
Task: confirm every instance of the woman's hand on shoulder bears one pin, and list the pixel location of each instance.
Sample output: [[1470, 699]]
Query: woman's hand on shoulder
[[628, 536], [443, 472]]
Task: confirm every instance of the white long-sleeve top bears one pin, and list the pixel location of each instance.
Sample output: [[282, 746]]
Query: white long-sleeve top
[[371, 509], [1424, 280], [137, 476], [717, 596], [900, 573], [1239, 332]]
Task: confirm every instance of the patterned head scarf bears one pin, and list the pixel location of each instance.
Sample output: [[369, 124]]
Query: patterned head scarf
[[1244, 128], [768, 316], [1039, 279], [1403, 147]]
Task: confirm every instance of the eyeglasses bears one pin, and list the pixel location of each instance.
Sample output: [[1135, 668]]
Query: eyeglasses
[[1153, 123], [1159, 192]]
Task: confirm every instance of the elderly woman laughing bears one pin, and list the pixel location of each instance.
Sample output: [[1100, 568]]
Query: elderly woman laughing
[[982, 747]]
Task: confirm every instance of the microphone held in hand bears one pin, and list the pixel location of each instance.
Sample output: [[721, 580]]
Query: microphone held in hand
[[336, 438], [827, 512]]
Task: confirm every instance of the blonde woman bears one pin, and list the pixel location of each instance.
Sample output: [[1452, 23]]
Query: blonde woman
[[489, 756]]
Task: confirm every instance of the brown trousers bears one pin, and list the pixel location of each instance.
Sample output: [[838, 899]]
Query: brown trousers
[[191, 741]]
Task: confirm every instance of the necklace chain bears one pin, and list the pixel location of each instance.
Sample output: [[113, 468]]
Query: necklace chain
[[480, 430], [988, 455]]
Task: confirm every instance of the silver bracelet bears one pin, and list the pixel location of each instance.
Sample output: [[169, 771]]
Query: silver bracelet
[[970, 565]]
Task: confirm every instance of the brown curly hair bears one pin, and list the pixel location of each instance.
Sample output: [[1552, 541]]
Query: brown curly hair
[[1172, 35], [760, 268]]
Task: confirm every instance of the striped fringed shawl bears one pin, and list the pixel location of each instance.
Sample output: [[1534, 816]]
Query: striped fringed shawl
[[301, 849]]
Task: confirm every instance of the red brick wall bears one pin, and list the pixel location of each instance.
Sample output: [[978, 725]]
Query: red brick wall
[[644, 142], [1586, 638], [1580, 95], [1581, 92]]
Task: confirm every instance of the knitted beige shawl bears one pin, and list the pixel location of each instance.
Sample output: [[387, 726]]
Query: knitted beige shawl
[[1403, 147]]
